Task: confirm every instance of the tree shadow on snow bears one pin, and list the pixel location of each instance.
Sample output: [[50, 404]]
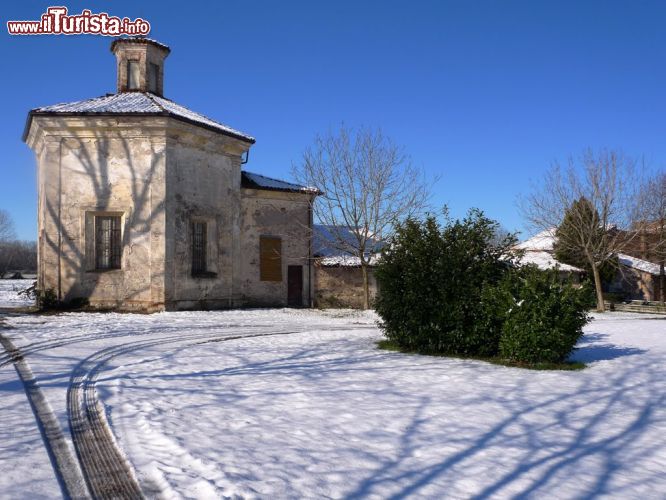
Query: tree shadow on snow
[[597, 348]]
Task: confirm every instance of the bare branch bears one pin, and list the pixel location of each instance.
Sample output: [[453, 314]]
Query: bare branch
[[368, 184], [6, 226], [608, 182]]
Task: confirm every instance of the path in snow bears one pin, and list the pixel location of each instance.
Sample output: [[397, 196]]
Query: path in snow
[[107, 472], [65, 465], [207, 405]]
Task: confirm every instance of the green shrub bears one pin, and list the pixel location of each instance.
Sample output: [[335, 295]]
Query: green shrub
[[455, 289], [546, 318], [436, 285], [46, 299]]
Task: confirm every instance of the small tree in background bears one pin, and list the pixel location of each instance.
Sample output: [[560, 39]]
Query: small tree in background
[[368, 184], [608, 182], [7, 249], [18, 255], [566, 248], [6, 226]]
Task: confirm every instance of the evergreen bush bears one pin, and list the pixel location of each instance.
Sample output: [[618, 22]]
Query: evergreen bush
[[436, 283], [546, 318], [456, 289]]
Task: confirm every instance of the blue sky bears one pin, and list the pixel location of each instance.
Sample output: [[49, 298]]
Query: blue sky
[[485, 94]]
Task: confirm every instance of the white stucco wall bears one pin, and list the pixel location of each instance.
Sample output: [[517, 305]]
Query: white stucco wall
[[89, 166], [159, 175], [203, 184]]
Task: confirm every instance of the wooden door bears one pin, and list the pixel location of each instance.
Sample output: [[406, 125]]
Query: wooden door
[[295, 286]]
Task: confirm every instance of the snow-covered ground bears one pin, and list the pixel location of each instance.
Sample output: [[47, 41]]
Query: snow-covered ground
[[9, 296], [292, 404]]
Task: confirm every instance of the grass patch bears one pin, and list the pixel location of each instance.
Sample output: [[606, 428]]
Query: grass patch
[[387, 345]]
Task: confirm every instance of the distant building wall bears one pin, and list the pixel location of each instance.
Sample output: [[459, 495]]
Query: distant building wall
[[274, 214], [342, 286], [634, 284]]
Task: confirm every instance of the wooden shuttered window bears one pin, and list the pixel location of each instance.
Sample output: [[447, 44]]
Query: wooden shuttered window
[[199, 248], [107, 242], [270, 258]]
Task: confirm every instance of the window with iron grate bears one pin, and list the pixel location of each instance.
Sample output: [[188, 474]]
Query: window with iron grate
[[107, 242], [199, 248]]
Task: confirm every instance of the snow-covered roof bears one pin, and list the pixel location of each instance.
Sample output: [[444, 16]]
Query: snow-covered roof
[[135, 103], [138, 39], [545, 260], [340, 242], [639, 264], [347, 261], [540, 241], [251, 180]]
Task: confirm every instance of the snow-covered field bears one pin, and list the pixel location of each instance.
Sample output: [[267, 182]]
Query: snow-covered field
[[9, 296], [294, 404]]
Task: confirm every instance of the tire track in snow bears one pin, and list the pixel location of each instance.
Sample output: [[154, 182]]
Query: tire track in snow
[[65, 465], [42, 345], [108, 472]]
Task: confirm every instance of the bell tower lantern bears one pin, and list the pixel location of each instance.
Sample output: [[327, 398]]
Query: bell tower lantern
[[140, 63]]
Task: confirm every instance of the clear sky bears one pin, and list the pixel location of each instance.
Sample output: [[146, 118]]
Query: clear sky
[[484, 93]]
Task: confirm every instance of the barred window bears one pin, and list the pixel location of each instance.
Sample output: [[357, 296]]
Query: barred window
[[107, 242], [270, 258], [198, 247]]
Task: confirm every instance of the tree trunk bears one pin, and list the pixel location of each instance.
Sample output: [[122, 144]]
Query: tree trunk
[[597, 287], [366, 287], [662, 283]]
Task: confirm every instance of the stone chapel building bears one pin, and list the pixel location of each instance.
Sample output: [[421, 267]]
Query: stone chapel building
[[143, 205]]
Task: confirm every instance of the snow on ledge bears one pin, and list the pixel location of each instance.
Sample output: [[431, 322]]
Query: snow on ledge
[[639, 264]]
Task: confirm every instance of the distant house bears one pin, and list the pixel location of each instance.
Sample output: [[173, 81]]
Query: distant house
[[338, 279], [635, 279], [640, 258], [538, 250]]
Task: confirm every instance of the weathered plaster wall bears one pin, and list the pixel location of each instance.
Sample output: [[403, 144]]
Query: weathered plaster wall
[[278, 214], [160, 175], [341, 287], [203, 184], [89, 166]]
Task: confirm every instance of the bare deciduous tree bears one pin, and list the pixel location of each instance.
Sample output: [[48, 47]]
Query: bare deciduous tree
[[368, 183], [607, 181], [18, 256], [6, 226], [652, 225]]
